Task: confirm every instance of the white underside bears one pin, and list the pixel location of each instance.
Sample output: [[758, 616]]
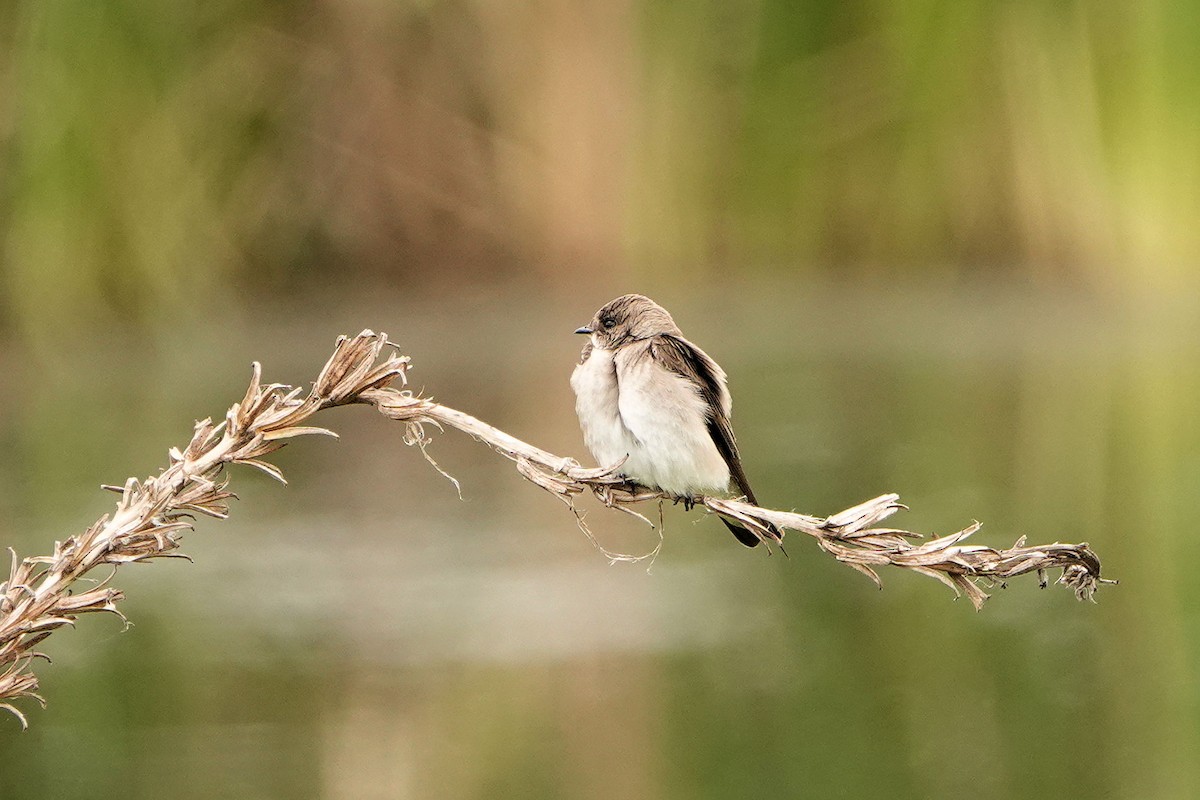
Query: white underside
[[652, 415]]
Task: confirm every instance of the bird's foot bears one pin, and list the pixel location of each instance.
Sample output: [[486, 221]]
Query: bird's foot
[[688, 501]]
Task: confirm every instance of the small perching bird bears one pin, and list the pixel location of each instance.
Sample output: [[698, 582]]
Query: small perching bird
[[648, 396]]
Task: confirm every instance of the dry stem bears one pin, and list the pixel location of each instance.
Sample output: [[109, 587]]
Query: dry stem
[[39, 596]]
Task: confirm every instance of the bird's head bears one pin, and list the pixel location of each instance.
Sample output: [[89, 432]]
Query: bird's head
[[627, 319]]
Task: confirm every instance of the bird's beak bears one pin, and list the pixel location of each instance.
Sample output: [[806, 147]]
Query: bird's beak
[[585, 329]]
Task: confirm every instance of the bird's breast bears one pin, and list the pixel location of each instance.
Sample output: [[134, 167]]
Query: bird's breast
[[631, 408], [667, 415], [597, 404]]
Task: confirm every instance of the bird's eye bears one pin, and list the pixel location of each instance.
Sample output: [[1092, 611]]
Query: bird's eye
[[608, 322]]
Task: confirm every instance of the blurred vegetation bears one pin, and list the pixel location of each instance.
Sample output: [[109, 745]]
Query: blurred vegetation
[[1011, 189], [152, 154]]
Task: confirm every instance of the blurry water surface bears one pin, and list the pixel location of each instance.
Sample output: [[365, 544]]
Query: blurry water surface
[[363, 633]]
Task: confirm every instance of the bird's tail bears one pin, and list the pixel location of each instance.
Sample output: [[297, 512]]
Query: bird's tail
[[743, 534], [749, 537]]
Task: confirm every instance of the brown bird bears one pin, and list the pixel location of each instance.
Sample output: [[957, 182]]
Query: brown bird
[[647, 395]]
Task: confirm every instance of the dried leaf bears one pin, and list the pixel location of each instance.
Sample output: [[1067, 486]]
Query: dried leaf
[[296, 430], [270, 469]]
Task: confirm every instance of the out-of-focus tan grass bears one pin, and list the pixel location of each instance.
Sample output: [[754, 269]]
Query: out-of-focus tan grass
[[146, 156]]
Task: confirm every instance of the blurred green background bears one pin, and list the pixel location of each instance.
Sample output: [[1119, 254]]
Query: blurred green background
[[948, 249]]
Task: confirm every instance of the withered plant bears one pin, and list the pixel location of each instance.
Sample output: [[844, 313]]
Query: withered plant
[[41, 596]]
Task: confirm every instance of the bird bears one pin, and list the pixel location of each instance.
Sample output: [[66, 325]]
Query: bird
[[649, 398]]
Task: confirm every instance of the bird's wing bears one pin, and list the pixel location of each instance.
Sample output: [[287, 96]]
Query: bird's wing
[[684, 358]]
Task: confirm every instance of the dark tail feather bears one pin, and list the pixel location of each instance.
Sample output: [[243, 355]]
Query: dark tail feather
[[746, 537], [743, 535], [749, 537]]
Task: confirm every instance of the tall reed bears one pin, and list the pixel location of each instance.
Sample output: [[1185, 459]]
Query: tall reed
[[41, 595]]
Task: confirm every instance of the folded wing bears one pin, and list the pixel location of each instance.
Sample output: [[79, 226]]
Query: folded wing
[[681, 356]]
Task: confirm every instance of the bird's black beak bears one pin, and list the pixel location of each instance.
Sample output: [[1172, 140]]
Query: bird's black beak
[[584, 329]]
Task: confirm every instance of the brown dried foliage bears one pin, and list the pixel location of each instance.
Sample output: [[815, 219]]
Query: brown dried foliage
[[40, 595]]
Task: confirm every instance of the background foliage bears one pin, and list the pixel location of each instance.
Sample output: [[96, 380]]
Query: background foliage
[[943, 248]]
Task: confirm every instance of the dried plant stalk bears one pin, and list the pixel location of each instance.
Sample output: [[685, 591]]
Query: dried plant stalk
[[849, 536], [39, 596]]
